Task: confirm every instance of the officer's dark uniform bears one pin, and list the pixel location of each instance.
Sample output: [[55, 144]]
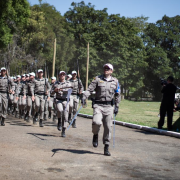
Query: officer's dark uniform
[[167, 105]]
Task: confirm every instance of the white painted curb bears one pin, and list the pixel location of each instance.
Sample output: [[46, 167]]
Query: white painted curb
[[135, 126]]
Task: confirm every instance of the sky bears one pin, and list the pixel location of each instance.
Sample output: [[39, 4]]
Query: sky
[[154, 9]]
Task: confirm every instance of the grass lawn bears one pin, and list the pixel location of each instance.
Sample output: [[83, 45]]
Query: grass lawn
[[142, 113]]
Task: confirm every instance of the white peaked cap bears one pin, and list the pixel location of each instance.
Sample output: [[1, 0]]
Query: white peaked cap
[[74, 72], [69, 75], [109, 65], [40, 70], [62, 72], [32, 74], [53, 78], [3, 68]]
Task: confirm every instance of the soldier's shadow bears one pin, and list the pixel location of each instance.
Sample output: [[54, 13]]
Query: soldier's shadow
[[76, 151]]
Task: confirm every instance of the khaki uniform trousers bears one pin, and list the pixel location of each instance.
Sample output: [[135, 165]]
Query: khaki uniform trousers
[[46, 106], [50, 104], [3, 104], [61, 105], [73, 105], [30, 106], [16, 104], [22, 102], [11, 99], [39, 105], [102, 114]]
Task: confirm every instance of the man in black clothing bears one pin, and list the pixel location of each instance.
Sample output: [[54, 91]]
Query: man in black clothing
[[167, 104]]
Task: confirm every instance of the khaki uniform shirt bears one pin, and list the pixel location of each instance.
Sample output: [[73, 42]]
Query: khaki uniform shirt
[[20, 88], [64, 86], [105, 90], [77, 86], [6, 84], [40, 86]]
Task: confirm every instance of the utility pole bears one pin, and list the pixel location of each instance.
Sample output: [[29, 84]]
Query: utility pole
[[54, 58], [87, 67]]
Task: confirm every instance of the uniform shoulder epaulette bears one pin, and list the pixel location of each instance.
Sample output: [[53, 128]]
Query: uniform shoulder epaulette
[[115, 78], [97, 77]]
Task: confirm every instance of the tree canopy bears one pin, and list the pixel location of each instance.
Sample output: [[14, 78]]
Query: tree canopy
[[141, 52]]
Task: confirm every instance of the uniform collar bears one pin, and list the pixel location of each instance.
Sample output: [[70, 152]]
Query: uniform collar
[[110, 79]]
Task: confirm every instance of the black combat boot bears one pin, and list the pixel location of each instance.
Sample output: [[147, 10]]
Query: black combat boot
[[69, 119], [41, 123], [22, 114], [106, 150], [45, 117], [19, 114], [49, 115], [2, 121], [95, 140], [54, 117], [59, 127], [13, 112], [35, 119], [74, 123], [9, 110], [26, 117], [16, 114], [63, 132]]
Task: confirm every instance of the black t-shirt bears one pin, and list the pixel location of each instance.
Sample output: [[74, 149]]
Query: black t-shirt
[[169, 94]]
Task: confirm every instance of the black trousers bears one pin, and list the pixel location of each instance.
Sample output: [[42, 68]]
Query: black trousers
[[163, 109]]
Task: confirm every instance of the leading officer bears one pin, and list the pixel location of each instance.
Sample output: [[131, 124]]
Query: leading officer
[[107, 91]]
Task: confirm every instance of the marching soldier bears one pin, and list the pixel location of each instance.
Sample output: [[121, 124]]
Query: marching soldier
[[20, 98], [74, 102], [39, 88], [6, 86], [52, 96], [14, 107], [29, 107], [107, 88], [10, 100], [61, 88]]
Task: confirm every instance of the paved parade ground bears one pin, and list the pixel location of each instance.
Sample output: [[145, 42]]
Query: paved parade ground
[[30, 152]]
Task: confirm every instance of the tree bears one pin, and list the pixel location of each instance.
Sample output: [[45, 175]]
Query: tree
[[13, 14], [163, 49]]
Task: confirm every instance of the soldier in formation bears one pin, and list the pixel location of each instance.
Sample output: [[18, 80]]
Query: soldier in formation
[[107, 94], [61, 88], [39, 89], [75, 96], [51, 103], [6, 87]]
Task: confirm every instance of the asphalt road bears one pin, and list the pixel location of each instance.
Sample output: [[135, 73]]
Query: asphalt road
[[30, 152]]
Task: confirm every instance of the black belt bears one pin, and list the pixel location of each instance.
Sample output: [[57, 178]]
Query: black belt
[[62, 99], [3, 92], [103, 102], [73, 93], [40, 93], [28, 95], [52, 96]]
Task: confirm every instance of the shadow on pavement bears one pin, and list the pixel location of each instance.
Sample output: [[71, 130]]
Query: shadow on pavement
[[36, 135], [76, 151]]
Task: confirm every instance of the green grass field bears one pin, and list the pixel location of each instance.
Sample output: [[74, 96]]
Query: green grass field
[[142, 113]]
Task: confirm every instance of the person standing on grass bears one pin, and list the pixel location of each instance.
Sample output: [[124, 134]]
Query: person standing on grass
[[167, 103], [107, 94]]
